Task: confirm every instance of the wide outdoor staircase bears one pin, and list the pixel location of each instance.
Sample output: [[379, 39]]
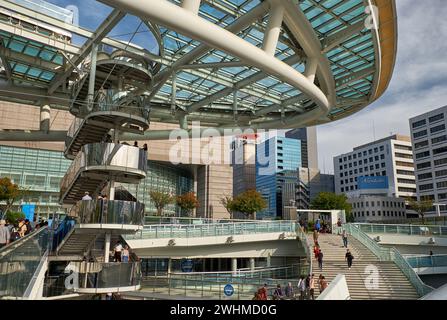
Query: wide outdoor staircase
[[369, 278]]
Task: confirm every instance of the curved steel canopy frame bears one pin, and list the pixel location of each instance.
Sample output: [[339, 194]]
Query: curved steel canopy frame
[[319, 67]]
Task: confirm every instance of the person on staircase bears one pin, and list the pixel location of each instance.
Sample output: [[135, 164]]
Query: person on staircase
[[316, 234], [349, 257], [302, 288], [118, 249], [312, 287], [344, 236], [320, 260]]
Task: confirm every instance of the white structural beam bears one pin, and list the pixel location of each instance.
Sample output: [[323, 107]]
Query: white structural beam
[[218, 65], [28, 15], [191, 5], [277, 107], [8, 90], [239, 85], [109, 23], [341, 36], [311, 69], [344, 81], [27, 59], [51, 136], [235, 27], [273, 30]]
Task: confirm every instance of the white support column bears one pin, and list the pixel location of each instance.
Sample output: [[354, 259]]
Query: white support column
[[269, 260], [91, 85], [273, 30], [311, 69], [235, 104], [252, 264], [107, 248], [234, 265], [169, 266], [45, 118], [191, 5], [173, 93]]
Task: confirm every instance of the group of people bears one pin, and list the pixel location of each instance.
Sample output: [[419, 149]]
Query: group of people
[[304, 290], [13, 231], [121, 253]]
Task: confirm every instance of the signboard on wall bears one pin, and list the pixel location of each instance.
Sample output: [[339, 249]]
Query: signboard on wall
[[29, 211], [368, 183]]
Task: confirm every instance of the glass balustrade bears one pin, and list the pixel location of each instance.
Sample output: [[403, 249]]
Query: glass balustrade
[[213, 229], [427, 261], [108, 158], [112, 212], [19, 261], [388, 254], [422, 230], [103, 277]]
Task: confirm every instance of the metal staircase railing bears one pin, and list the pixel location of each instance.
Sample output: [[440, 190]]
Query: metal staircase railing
[[389, 254]]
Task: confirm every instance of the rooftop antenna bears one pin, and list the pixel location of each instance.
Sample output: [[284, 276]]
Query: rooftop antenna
[[374, 130]]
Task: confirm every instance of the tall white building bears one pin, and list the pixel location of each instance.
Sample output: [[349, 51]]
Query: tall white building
[[391, 157], [429, 137]]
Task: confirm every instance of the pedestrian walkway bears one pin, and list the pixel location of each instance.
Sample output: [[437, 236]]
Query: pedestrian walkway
[[391, 283]]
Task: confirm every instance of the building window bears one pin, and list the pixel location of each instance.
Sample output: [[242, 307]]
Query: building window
[[425, 187], [424, 154], [376, 150], [419, 123], [439, 139], [421, 144], [437, 128], [403, 155], [361, 170], [406, 181], [420, 134], [442, 185], [342, 189], [424, 165], [382, 148], [371, 168], [382, 157], [436, 118], [370, 151], [441, 173], [424, 176], [376, 158], [440, 162], [371, 159], [440, 150], [404, 164], [354, 156], [360, 162], [355, 171], [409, 190], [340, 160]]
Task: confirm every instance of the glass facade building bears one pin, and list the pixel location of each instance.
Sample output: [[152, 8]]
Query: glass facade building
[[277, 163], [41, 171]]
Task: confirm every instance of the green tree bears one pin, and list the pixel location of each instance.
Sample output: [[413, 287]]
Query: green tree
[[229, 204], [249, 202], [332, 201], [9, 194], [12, 216], [421, 207], [188, 202], [161, 200]]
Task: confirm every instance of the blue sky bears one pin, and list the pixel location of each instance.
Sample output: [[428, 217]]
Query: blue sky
[[419, 83]]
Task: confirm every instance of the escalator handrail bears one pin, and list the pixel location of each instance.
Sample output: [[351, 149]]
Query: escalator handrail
[[17, 243]]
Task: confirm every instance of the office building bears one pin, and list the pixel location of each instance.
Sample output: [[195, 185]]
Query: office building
[[429, 137], [391, 157], [309, 148], [243, 156], [311, 182], [277, 163]]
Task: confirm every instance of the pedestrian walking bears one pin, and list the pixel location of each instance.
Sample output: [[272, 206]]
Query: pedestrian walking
[[339, 225], [302, 287], [290, 294], [125, 254], [118, 249], [312, 287], [263, 292], [349, 257], [323, 284], [320, 260], [5, 235], [344, 236], [87, 196], [307, 286], [317, 225], [316, 234], [316, 251]]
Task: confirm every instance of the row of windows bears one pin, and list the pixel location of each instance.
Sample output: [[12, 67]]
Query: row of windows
[[433, 130], [404, 164], [379, 214], [423, 122], [405, 172], [362, 162], [391, 204], [361, 170], [359, 154], [426, 154]]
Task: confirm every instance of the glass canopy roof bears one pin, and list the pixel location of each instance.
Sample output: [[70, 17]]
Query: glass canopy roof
[[354, 62]]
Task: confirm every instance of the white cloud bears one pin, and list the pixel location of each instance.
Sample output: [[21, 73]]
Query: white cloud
[[419, 83]]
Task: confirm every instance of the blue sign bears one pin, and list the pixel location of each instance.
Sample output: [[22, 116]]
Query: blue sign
[[28, 210], [228, 290], [187, 265], [368, 183]]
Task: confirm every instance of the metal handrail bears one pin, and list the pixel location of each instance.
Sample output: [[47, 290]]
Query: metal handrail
[[407, 229], [389, 254]]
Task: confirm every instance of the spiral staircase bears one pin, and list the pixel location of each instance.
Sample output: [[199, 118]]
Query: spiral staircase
[[104, 104]]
